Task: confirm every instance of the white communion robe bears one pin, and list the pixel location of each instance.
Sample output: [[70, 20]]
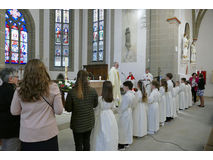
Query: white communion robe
[[169, 101], [104, 136], [125, 122], [162, 105], [116, 83], [177, 98], [174, 94], [139, 116], [182, 97], [186, 97], [153, 112], [190, 94]]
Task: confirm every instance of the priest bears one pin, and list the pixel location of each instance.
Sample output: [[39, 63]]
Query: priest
[[114, 77], [147, 79]]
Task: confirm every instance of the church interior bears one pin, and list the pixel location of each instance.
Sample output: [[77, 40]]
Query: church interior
[[177, 41]]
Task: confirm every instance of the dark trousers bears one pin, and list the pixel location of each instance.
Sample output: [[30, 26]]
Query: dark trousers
[[194, 94], [82, 141], [48, 145]]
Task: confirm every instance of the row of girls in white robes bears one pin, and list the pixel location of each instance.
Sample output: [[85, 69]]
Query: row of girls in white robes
[[139, 113], [185, 98]]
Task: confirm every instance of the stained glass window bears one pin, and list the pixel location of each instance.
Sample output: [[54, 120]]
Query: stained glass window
[[16, 38], [98, 35], [62, 36]]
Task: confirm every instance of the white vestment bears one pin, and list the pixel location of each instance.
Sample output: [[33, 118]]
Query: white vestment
[[146, 77], [104, 136], [153, 112], [177, 98], [162, 105], [174, 110], [116, 83], [190, 94], [169, 100], [125, 122], [182, 96], [139, 116], [186, 97]]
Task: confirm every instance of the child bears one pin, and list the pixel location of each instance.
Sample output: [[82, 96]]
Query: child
[[187, 95], [162, 105], [153, 110], [190, 93], [139, 111], [174, 93], [177, 96], [104, 136], [125, 122], [182, 99], [169, 101]]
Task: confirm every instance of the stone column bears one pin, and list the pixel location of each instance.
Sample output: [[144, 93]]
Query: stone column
[[2, 38], [163, 41]]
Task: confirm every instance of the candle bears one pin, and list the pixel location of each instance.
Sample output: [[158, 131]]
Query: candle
[[66, 69], [66, 61]]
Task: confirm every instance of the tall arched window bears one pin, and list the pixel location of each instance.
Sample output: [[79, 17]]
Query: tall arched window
[[61, 38], [16, 38], [96, 36]]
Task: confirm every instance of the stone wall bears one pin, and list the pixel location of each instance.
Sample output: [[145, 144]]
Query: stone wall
[[163, 43], [2, 38]]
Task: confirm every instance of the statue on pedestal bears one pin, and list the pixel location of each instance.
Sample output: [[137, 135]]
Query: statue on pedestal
[[185, 47], [193, 52]]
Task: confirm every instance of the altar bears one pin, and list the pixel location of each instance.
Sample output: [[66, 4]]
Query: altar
[[97, 84]]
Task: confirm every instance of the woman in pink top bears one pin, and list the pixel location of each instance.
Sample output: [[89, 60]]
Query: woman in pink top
[[194, 84], [37, 100]]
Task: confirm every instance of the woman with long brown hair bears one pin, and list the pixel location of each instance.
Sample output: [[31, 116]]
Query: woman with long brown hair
[[105, 133], [37, 100], [80, 101], [140, 111]]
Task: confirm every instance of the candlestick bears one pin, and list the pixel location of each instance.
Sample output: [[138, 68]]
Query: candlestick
[[66, 69]]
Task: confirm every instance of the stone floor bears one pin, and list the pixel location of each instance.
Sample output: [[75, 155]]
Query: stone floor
[[189, 131]]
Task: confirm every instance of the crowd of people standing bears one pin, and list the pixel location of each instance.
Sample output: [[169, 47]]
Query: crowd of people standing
[[28, 108]]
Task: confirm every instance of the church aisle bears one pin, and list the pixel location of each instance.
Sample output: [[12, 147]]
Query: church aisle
[[190, 130]]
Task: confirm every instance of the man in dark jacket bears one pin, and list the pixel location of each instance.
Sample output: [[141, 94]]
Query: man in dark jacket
[[9, 125]]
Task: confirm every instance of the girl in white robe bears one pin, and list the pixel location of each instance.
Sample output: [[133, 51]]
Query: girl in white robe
[[153, 110], [177, 96], [187, 96], [162, 106], [182, 98], [139, 111], [190, 93], [104, 136], [169, 100], [125, 122], [174, 93]]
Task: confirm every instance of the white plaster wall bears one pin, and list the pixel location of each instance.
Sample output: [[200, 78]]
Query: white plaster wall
[[35, 15], [184, 15], [137, 68], [205, 50]]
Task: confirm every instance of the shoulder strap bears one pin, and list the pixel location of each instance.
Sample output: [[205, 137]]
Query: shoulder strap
[[48, 102]]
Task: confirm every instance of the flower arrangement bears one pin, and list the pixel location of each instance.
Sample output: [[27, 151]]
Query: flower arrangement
[[65, 86]]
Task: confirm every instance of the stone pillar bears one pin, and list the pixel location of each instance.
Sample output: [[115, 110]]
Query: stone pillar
[[163, 43], [2, 38]]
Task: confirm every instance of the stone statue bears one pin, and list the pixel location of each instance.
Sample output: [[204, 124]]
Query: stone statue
[[193, 52], [128, 39], [185, 47]]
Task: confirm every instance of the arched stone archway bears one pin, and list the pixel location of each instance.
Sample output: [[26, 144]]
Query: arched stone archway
[[187, 30]]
